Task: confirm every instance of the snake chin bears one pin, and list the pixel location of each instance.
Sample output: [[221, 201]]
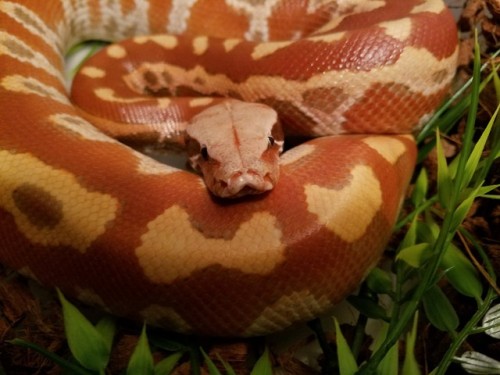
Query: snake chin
[[240, 184]]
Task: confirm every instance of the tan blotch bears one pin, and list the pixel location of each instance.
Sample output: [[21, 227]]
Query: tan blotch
[[229, 44], [296, 153], [28, 85], [299, 306], [116, 52], [83, 215], [93, 72], [80, 127], [200, 45], [109, 95], [433, 6], [400, 29], [165, 316], [164, 40], [200, 102], [390, 148], [173, 248], [264, 49], [150, 166], [347, 212]]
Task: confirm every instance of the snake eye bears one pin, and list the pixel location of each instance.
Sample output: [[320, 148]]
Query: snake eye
[[271, 141], [204, 153]]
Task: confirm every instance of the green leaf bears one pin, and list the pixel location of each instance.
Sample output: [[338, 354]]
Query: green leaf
[[444, 180], [263, 366], [462, 210], [346, 360], [410, 237], [107, 328], [461, 274], [414, 255], [389, 364], [141, 361], [439, 310], [410, 364], [227, 366], [87, 345], [368, 307], [166, 365], [212, 368], [475, 156], [379, 281], [421, 188]]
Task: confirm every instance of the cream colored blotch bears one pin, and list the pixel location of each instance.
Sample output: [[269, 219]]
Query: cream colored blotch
[[347, 212]]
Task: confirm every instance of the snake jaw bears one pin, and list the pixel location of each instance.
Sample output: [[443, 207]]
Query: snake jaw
[[249, 182]]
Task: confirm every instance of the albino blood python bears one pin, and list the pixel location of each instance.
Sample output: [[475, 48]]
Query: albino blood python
[[81, 211]]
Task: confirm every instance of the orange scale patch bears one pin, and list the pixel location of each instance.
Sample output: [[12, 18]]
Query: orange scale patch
[[390, 108]]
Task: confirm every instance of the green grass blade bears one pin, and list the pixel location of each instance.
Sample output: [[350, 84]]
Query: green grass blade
[[212, 368], [107, 328], [227, 366], [167, 365], [388, 365], [141, 361], [87, 345], [444, 180], [475, 156], [410, 364], [346, 360], [263, 366]]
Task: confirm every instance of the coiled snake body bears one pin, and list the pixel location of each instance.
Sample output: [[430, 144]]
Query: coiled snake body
[[112, 227]]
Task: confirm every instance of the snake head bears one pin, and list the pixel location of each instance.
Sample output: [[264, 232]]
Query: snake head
[[235, 146]]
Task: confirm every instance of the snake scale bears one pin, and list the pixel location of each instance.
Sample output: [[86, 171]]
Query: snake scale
[[114, 228]]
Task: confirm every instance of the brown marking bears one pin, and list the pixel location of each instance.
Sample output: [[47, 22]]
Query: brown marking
[[37, 88], [439, 76], [27, 19], [41, 208], [18, 49], [150, 78], [324, 99]]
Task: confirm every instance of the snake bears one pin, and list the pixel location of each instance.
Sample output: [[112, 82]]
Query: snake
[[86, 210]]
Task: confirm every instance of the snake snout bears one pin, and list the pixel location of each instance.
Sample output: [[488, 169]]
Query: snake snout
[[246, 183]]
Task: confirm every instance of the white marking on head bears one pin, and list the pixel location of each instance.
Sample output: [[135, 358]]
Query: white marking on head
[[255, 248]]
